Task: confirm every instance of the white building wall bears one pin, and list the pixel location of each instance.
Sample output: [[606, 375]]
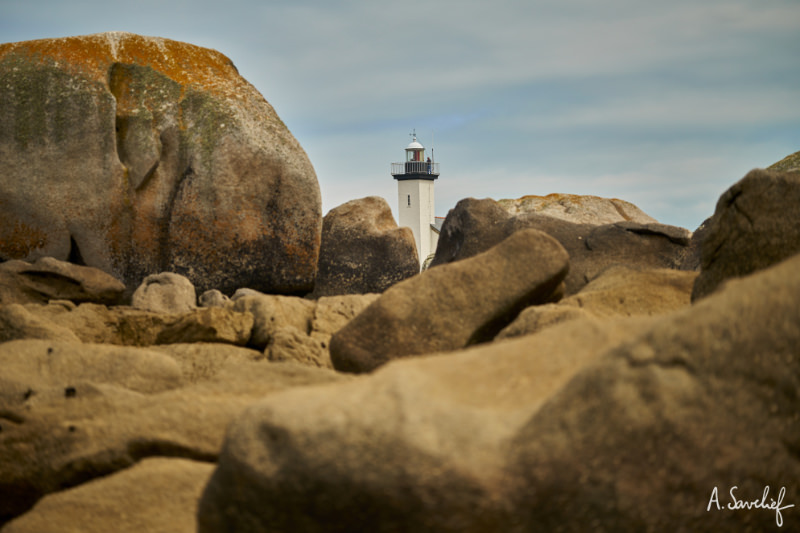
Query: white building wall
[[434, 240], [415, 210]]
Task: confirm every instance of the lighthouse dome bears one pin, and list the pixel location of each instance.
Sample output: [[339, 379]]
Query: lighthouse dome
[[415, 145]]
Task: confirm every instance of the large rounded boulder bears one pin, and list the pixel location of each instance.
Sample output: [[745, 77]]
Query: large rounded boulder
[[363, 251], [754, 226], [474, 226], [139, 155]]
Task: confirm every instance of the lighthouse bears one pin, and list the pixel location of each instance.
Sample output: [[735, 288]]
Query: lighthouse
[[415, 177]]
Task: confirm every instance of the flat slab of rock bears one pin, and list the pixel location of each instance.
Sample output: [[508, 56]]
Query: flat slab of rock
[[201, 361], [35, 365], [619, 291], [99, 324], [50, 279], [18, 322], [453, 306], [284, 328], [94, 418], [127, 326]]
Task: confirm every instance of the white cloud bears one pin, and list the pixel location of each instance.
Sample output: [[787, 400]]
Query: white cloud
[[665, 103], [674, 108]]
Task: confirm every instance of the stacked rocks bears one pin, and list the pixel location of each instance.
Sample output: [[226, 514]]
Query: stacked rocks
[[583, 411]]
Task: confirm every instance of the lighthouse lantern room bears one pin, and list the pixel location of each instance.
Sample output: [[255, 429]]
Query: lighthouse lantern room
[[415, 178]]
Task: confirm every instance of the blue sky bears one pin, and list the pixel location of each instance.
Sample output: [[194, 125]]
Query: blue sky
[[664, 104]]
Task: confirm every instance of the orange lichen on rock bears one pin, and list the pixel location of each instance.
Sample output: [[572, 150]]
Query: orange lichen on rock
[[93, 55], [578, 208], [161, 157], [20, 240], [564, 197]]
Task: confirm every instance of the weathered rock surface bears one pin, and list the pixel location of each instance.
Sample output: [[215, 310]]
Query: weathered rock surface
[[17, 322], [209, 324], [691, 258], [95, 323], [790, 163], [471, 227], [618, 291], [213, 298], [131, 327], [754, 226], [244, 291], [56, 434], [289, 328], [291, 344], [539, 317], [474, 226], [156, 495], [201, 361], [578, 208], [363, 250], [35, 365], [330, 314], [160, 157], [13, 289], [273, 312], [283, 328], [705, 399], [629, 291], [50, 279], [621, 425], [455, 305], [418, 445], [166, 292]]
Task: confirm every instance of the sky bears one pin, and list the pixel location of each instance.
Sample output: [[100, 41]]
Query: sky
[[664, 104]]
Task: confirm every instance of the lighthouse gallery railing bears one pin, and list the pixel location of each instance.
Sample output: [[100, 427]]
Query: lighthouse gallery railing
[[415, 167]]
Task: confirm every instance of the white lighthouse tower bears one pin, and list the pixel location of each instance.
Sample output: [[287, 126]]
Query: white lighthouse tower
[[415, 179]]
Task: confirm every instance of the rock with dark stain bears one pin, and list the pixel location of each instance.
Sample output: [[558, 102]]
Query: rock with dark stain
[[363, 250], [139, 155]]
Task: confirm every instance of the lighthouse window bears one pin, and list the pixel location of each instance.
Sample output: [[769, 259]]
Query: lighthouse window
[[409, 200]]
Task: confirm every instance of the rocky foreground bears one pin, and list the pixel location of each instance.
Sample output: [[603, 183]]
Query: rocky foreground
[[493, 393], [566, 363]]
